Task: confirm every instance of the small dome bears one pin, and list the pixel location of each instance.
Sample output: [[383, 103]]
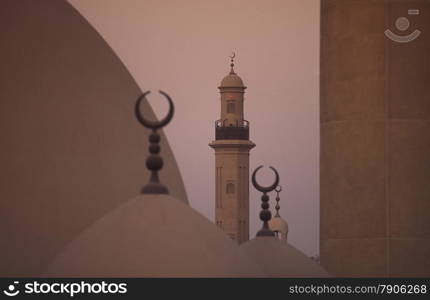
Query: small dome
[[153, 236], [277, 258], [277, 224], [232, 80]]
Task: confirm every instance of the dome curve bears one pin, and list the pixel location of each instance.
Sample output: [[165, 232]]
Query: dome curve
[[70, 151], [277, 258], [232, 80], [153, 236]]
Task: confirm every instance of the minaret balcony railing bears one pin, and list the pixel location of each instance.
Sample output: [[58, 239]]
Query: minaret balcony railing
[[238, 131]]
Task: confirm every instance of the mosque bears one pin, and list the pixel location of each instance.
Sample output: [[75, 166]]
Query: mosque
[[156, 235], [73, 157]]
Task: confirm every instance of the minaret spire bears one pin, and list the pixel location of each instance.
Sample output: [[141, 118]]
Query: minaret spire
[[232, 62]]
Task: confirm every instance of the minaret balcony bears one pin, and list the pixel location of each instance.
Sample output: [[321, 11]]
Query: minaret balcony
[[238, 131]]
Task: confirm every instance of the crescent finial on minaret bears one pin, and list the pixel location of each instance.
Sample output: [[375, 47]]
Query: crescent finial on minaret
[[232, 62]]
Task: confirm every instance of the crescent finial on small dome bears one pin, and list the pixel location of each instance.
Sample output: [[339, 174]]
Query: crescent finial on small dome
[[277, 224], [277, 207]]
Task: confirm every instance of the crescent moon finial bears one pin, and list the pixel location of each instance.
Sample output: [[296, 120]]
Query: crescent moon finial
[[265, 214], [262, 188], [232, 62], [154, 124], [154, 162]]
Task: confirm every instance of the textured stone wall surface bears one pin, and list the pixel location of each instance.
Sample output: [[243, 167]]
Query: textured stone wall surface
[[375, 139]]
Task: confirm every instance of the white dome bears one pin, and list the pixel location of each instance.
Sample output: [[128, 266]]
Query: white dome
[[277, 224], [153, 236], [277, 258]]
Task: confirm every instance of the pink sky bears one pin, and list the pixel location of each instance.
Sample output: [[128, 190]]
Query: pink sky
[[182, 47]]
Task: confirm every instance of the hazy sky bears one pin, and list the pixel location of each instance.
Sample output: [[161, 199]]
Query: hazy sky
[[182, 47]]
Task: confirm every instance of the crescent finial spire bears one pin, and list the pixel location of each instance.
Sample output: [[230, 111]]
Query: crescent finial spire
[[277, 207], [232, 62], [265, 214], [154, 162]]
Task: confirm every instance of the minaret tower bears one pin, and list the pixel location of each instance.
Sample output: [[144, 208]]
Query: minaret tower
[[232, 146]]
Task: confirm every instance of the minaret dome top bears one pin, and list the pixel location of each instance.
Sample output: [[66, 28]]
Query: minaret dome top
[[232, 79]]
